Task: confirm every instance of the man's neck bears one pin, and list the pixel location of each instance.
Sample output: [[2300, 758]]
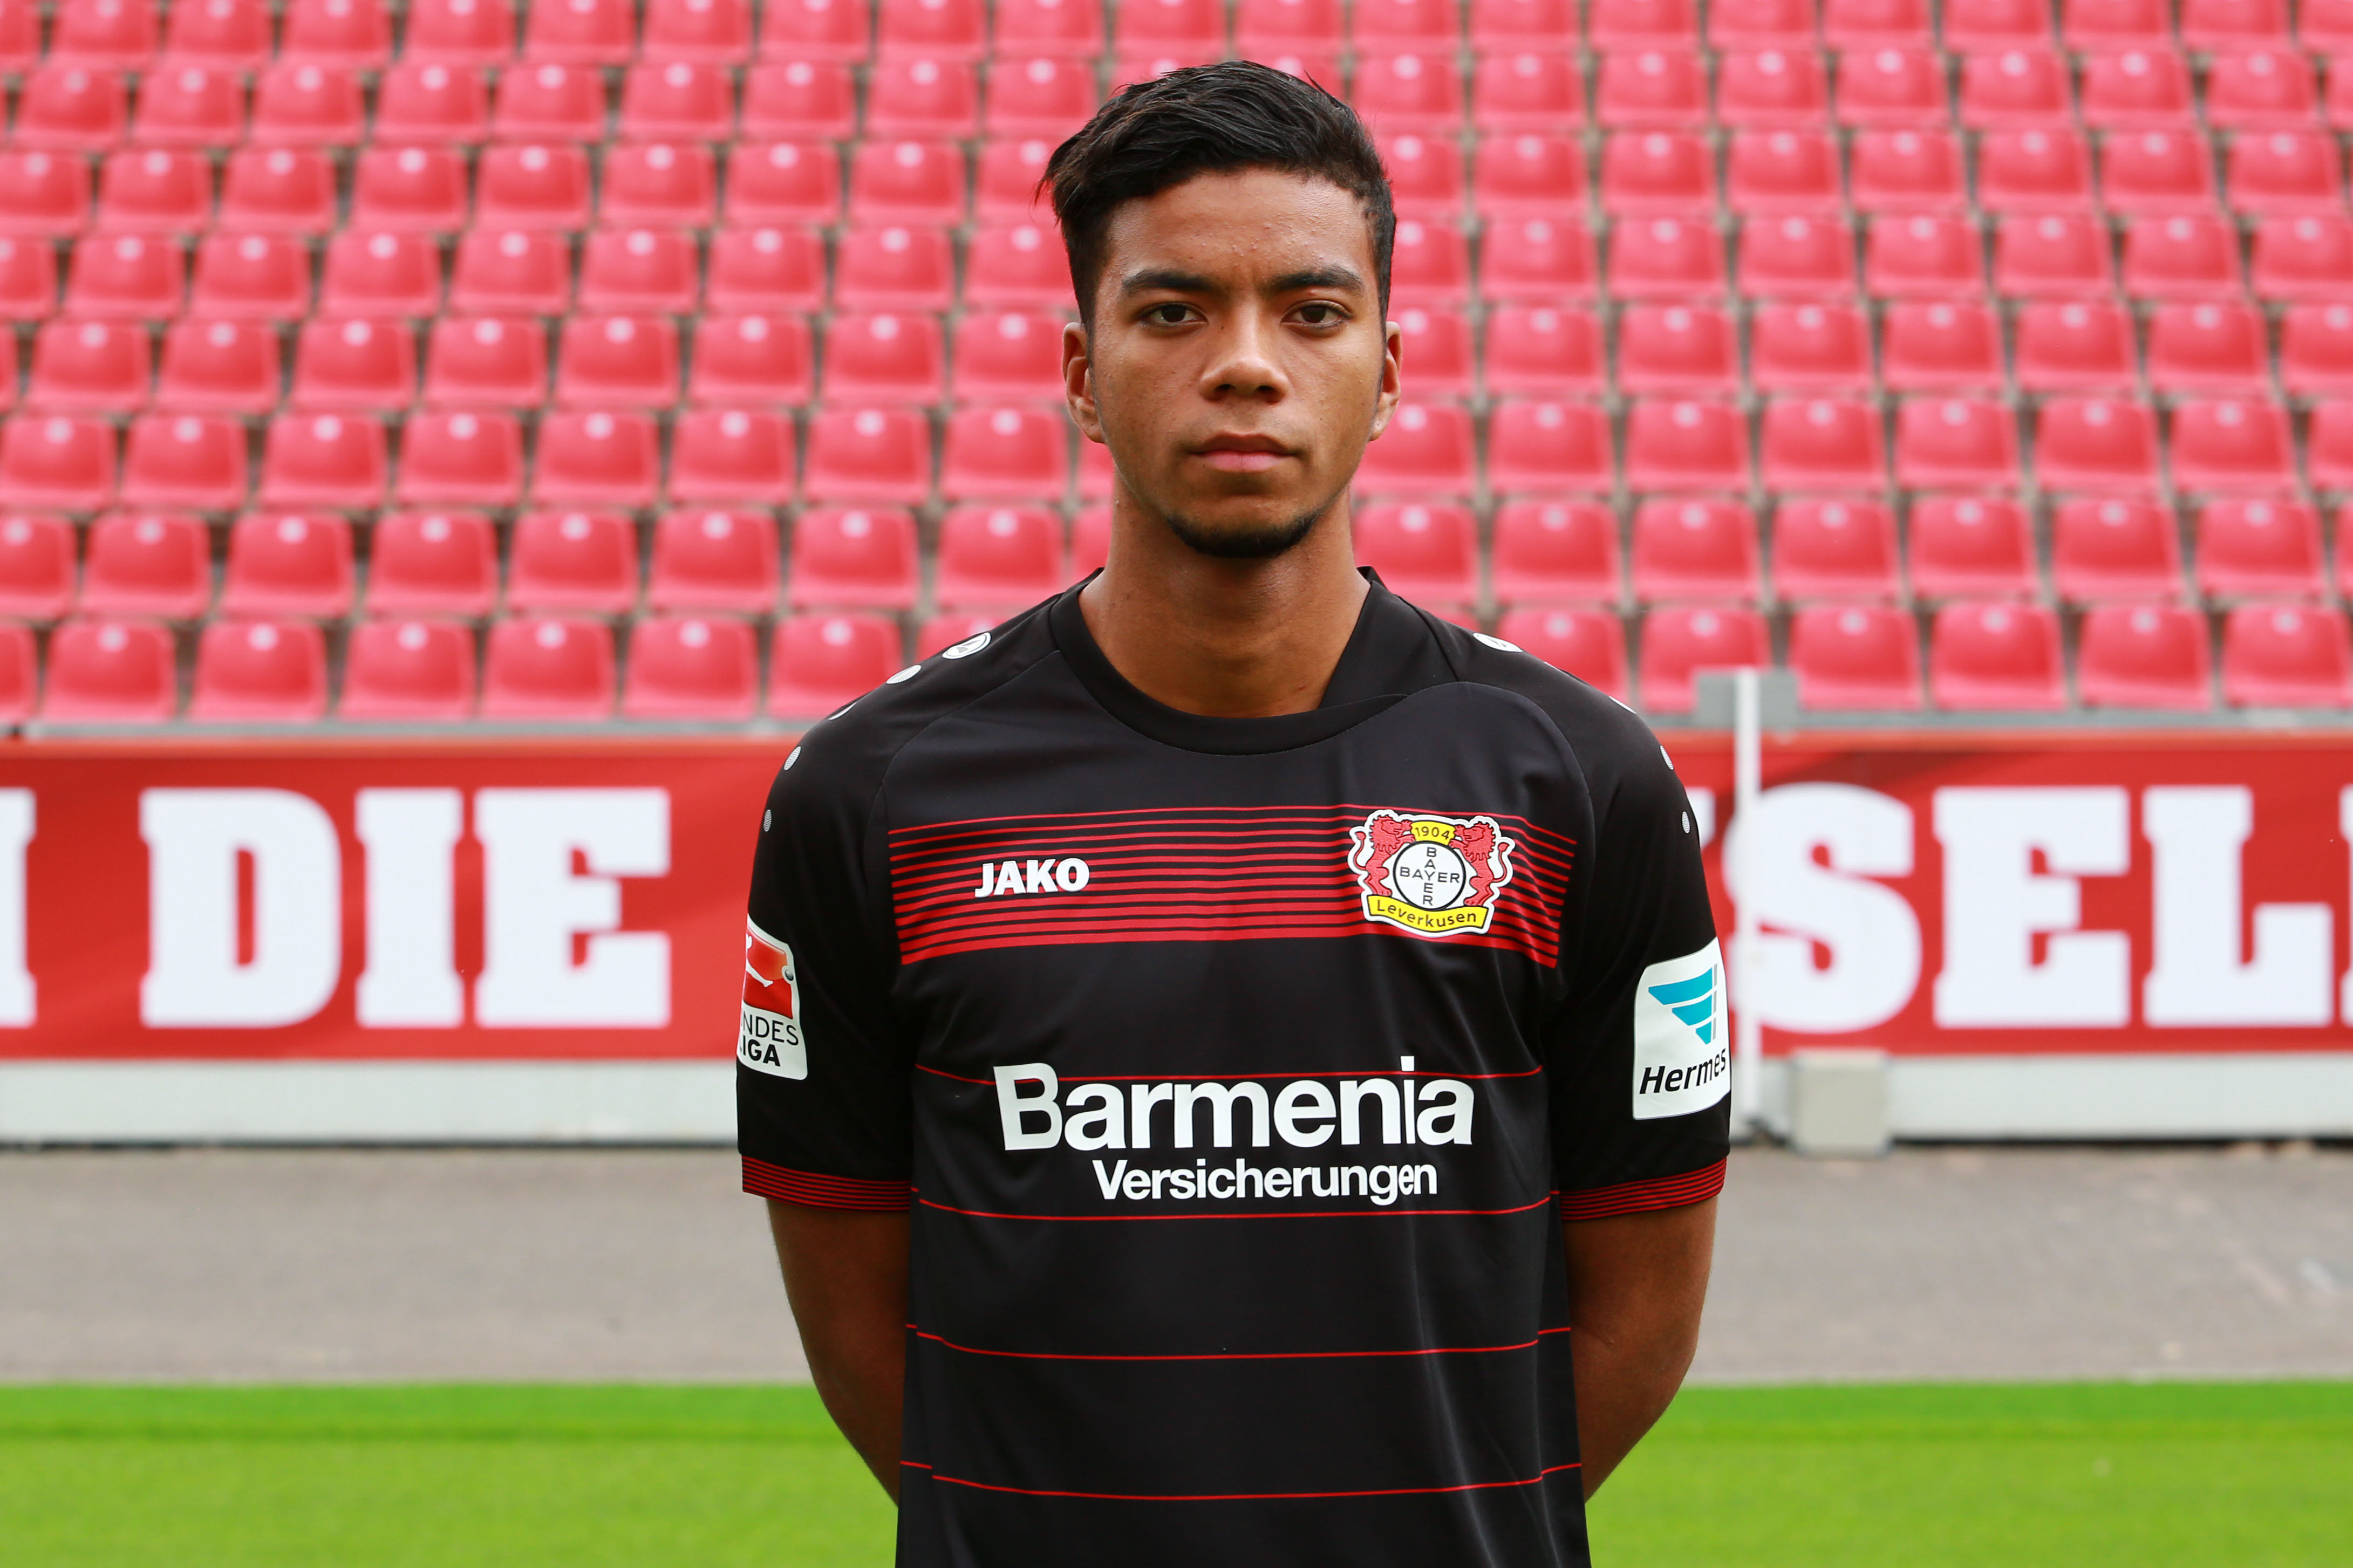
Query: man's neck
[[1231, 639]]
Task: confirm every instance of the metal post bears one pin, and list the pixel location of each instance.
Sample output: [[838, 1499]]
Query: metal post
[[1748, 782]]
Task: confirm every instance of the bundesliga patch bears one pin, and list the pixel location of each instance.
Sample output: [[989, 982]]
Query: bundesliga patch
[[1682, 1049], [770, 1040], [1432, 876]]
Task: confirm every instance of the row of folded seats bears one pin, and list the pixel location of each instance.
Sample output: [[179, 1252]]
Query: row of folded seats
[[1982, 657]]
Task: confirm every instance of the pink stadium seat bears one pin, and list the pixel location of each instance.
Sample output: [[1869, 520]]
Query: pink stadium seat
[[601, 459], [1650, 89], [461, 459], [126, 276], [820, 662], [1378, 24], [923, 96], [1017, 267], [1908, 172], [948, 29], [1587, 643], [1005, 189], [1173, 26], [2260, 548], [868, 454], [2096, 444], [1412, 92], [2187, 257], [155, 192], [2144, 655], [1427, 450], [758, 270], [2285, 655], [432, 563], [943, 631], [732, 454], [1547, 448], [260, 672], [1995, 24], [1265, 27], [1797, 256], [57, 463], [486, 363], [432, 105], [2114, 550], [1809, 348], [111, 672], [1678, 349], [409, 671], [2326, 25], [640, 271], [815, 29], [367, 274], [2233, 23], [218, 367], [359, 366], [324, 460], [1543, 351], [20, 674], [2261, 90], [714, 561], [1694, 550], [185, 460], [70, 108], [618, 361], [800, 100], [98, 367], [1822, 444], [2233, 444], [688, 667], [1436, 352], [997, 557], [190, 106], [1853, 658], [678, 101], [354, 34], [1043, 95], [895, 268], [2316, 352], [1538, 90], [1554, 553], [278, 190], [1641, 23], [1677, 644], [2075, 347], [1657, 172], [1425, 175], [551, 102], [582, 32], [1684, 446], [1050, 29], [460, 32], [1428, 553], [854, 559], [1890, 85], [583, 562], [2286, 172], [1006, 453], [1736, 24], [531, 188], [147, 564], [224, 32], [2208, 348], [1834, 550], [2158, 172], [2328, 445], [711, 30], [550, 670], [43, 193], [1008, 356], [1942, 347], [750, 361], [308, 106], [660, 185], [36, 566], [2052, 256], [1971, 547], [1781, 86], [886, 356], [1937, 258], [1666, 258], [783, 182], [2139, 89], [2308, 257], [1782, 170], [1430, 265], [2014, 89], [1996, 656], [1530, 260], [907, 183], [288, 564]]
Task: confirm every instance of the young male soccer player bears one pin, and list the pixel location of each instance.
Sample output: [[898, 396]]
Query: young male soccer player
[[1236, 1061]]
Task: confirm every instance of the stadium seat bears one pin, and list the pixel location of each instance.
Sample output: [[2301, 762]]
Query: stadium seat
[[676, 100], [1971, 547], [1809, 348], [949, 29], [288, 564], [43, 193], [1947, 346], [126, 276], [2287, 656], [1427, 450], [2096, 26], [1677, 644], [1274, 27], [582, 32], [894, 268], [783, 182], [1686, 445], [229, 33], [1043, 95], [583, 562], [758, 270], [260, 672], [155, 192], [409, 671], [1738, 23], [2208, 348], [1008, 356], [1996, 656], [2260, 548], [69, 108], [2014, 89], [868, 454], [1535, 261], [1555, 552], [1006, 453], [907, 183], [1425, 175], [660, 185], [618, 361], [218, 367], [1694, 550], [1378, 24], [886, 356], [1781, 171], [1005, 184], [2138, 90], [1799, 258], [19, 674], [461, 459], [432, 105], [36, 566], [367, 275], [1428, 553], [2075, 347], [549, 671], [486, 363], [324, 460], [820, 662], [862, 559], [307, 106], [1546, 448], [2260, 89], [2308, 258], [354, 34], [1666, 258], [690, 667], [2115, 550], [2233, 444], [185, 460], [29, 279], [1543, 352], [432, 563], [1016, 267], [147, 564], [717, 31], [1539, 90], [278, 190], [815, 29], [2316, 352], [1935, 258], [1658, 172], [2157, 172], [111, 672], [1821, 444], [1834, 550], [1051, 29], [800, 100], [2286, 172], [732, 454], [1644, 90], [1678, 349], [2143, 656], [1430, 266], [1980, 24], [1588, 644], [922, 96], [463, 32], [1782, 86], [1852, 657], [1890, 86], [2052, 256], [599, 458], [638, 272], [2327, 445], [95, 367], [713, 561], [531, 188], [2098, 444], [1436, 352], [1639, 24], [750, 361], [2186, 257], [57, 463], [356, 366], [998, 558]]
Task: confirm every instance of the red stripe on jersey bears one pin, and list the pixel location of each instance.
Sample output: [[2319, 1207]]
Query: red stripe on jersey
[[1232, 1214], [1536, 1479], [1640, 1197], [811, 1190], [1242, 1355]]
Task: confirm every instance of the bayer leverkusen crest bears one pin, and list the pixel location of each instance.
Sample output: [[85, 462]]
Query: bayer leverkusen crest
[[1432, 876]]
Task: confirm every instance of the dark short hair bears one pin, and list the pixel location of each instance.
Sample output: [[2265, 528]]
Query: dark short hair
[[1210, 119]]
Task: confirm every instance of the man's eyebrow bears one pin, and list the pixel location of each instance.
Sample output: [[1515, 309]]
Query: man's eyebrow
[[1334, 276], [1150, 277]]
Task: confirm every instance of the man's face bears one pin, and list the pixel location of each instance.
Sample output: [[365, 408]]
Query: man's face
[[1239, 361]]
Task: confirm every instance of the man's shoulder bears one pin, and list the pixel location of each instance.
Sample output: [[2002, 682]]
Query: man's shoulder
[[1602, 733]]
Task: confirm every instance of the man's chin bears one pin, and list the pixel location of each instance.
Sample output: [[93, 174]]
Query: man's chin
[[1243, 538]]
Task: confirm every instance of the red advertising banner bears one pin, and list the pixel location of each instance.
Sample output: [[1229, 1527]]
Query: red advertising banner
[[1930, 894]]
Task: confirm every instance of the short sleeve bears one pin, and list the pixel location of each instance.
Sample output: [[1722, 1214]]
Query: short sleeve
[[1640, 1054], [823, 1099]]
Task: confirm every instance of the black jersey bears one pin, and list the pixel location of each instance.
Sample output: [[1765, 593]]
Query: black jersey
[[1239, 1073]]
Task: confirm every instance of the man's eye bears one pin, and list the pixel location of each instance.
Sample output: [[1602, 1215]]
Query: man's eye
[[1318, 314], [1167, 315]]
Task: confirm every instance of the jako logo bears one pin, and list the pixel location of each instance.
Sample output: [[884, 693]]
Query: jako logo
[[1047, 876], [1306, 1113]]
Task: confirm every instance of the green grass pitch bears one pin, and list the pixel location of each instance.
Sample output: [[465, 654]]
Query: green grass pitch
[[2247, 1474]]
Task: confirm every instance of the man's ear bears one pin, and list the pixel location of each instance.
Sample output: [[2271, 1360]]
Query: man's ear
[[1079, 381], [1385, 401]]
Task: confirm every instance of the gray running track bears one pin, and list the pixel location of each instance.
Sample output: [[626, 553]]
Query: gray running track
[[594, 1265]]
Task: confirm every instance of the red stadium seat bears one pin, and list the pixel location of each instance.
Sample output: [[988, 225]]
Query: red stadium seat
[[2158, 172], [1006, 453], [1971, 547], [126, 276], [2014, 89], [227, 366], [288, 564], [2139, 89], [1809, 348], [1890, 85], [1427, 450], [19, 674], [1554, 553], [618, 361], [1648, 89], [718, 31], [2260, 89], [1536, 261], [1913, 258], [408, 672], [2233, 23], [1908, 172], [308, 106], [551, 102], [1414, 91], [155, 192], [147, 564], [1797, 258], [1378, 25], [1960, 443], [2240, 443], [1851, 658], [1265, 27], [1588, 644], [550, 670], [1010, 356], [232, 33], [750, 361], [600, 459], [1684, 446], [732, 454], [922, 96], [358, 366], [2308, 257], [800, 100], [1658, 172], [190, 106], [815, 29], [432, 563], [2115, 550], [1017, 267], [1041, 96], [1678, 349], [660, 185], [1436, 352], [367, 274], [1172, 27], [868, 454], [1941, 347], [1546, 448], [1778, 87], [1049, 28], [1641, 23], [1996, 656], [1425, 175], [1694, 550], [354, 34], [2096, 444], [856, 559], [1995, 24], [260, 672], [1000, 558], [1428, 553], [1677, 644], [2094, 26], [58, 464], [763, 270], [486, 363], [2182, 258], [714, 561], [70, 109], [461, 459], [103, 33], [36, 566], [638, 271], [324, 460], [688, 667], [2284, 656], [907, 183], [1782, 170], [185, 460], [949, 29], [1430, 266], [783, 182], [584, 562], [2327, 445], [2317, 349], [2286, 172], [583, 32], [98, 367], [111, 672], [43, 193], [2078, 346], [1005, 188], [1735, 24], [678, 101], [280, 190], [2053, 256], [2144, 655], [1666, 258], [2260, 548], [820, 662], [1834, 550], [2207, 348], [1539, 90], [432, 105], [888, 356], [1543, 353], [460, 32], [894, 268], [531, 188]]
